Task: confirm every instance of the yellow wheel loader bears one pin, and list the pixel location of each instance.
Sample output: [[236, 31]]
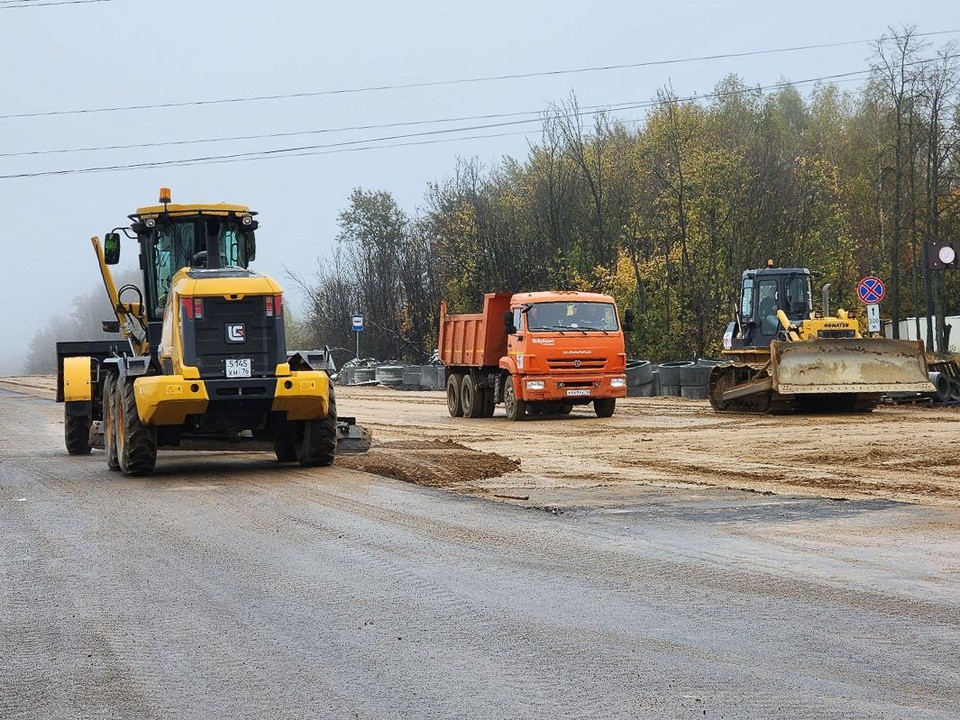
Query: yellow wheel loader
[[201, 361], [784, 356]]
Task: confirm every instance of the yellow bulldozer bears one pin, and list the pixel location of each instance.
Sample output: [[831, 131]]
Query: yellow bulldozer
[[201, 360], [782, 355]]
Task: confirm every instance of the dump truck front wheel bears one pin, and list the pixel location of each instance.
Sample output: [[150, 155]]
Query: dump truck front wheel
[[604, 407], [136, 442], [516, 408], [76, 433], [316, 440]]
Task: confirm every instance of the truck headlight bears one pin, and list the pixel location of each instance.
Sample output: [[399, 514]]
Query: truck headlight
[[618, 382], [535, 385]]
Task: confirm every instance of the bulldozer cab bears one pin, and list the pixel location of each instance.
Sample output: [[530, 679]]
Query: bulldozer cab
[[203, 237], [766, 291]]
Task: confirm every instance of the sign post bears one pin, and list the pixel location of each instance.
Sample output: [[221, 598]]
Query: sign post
[[871, 290], [357, 328]]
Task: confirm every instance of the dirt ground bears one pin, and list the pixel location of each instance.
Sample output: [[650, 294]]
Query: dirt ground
[[902, 453]]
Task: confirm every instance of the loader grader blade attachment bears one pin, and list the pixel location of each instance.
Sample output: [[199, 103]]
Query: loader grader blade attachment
[[848, 365], [352, 438]]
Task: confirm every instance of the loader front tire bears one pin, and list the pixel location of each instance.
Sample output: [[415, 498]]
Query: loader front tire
[[136, 442], [316, 440], [110, 422], [76, 433]]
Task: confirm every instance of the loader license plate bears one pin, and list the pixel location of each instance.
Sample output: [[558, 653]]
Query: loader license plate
[[238, 368], [578, 393]]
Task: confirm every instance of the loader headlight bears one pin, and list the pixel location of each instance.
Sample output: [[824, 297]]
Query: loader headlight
[[149, 222], [535, 385], [618, 382]]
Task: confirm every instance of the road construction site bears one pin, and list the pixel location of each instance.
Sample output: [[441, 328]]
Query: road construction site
[[668, 561], [898, 452]]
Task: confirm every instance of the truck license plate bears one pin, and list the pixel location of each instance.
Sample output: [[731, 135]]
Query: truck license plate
[[578, 393], [238, 368]]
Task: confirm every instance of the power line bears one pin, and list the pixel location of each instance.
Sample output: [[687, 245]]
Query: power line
[[369, 143], [20, 4], [440, 83]]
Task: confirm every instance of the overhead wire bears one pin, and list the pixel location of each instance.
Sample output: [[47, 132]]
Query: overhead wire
[[376, 143], [441, 83]]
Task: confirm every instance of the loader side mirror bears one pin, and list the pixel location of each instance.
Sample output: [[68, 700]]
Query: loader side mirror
[[508, 323], [111, 248], [251, 247], [628, 320]]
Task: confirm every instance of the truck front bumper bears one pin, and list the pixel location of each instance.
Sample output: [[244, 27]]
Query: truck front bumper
[[574, 389]]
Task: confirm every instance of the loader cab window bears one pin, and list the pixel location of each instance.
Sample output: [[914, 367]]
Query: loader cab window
[[176, 243], [767, 306], [797, 297], [746, 298]]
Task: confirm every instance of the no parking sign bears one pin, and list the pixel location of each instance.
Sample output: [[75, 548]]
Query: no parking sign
[[871, 290]]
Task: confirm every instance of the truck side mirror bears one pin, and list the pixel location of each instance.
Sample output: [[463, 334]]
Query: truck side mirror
[[628, 320], [111, 248], [508, 323]]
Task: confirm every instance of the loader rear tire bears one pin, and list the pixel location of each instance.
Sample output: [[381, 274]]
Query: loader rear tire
[[316, 440], [516, 408], [136, 442], [110, 422], [604, 407], [454, 406], [471, 398], [76, 433]]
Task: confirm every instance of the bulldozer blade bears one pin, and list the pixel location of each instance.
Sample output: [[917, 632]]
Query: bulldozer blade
[[848, 365], [352, 438]]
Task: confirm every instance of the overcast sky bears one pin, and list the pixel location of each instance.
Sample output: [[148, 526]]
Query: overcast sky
[[68, 56]]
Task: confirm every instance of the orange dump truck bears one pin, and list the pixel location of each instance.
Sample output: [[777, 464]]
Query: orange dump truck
[[538, 353]]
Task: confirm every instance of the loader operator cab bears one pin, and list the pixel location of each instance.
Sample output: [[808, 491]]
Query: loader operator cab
[[766, 291], [214, 237]]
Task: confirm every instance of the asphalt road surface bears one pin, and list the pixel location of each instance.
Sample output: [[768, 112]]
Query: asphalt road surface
[[229, 587]]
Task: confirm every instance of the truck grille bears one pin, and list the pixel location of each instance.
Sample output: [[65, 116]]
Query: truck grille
[[576, 363], [212, 348]]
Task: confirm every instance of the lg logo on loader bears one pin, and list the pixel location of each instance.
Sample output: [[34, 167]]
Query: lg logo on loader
[[236, 333]]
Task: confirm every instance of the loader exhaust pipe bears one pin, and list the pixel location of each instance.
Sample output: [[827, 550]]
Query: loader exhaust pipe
[[825, 300]]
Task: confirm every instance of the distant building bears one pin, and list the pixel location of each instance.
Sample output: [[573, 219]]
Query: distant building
[[908, 330]]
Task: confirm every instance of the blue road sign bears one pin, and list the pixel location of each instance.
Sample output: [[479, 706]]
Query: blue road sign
[[870, 290], [357, 323]]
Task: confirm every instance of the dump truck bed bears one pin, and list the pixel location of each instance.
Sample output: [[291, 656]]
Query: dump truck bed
[[475, 339]]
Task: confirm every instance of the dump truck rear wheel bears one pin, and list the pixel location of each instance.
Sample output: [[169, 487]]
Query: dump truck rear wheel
[[471, 398], [110, 421], [454, 406], [489, 402], [604, 407], [316, 440], [516, 408], [76, 433], [136, 442]]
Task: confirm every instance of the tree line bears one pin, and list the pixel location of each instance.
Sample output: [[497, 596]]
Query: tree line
[[665, 213]]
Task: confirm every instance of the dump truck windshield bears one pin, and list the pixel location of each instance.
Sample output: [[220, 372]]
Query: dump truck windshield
[[544, 317], [181, 243]]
